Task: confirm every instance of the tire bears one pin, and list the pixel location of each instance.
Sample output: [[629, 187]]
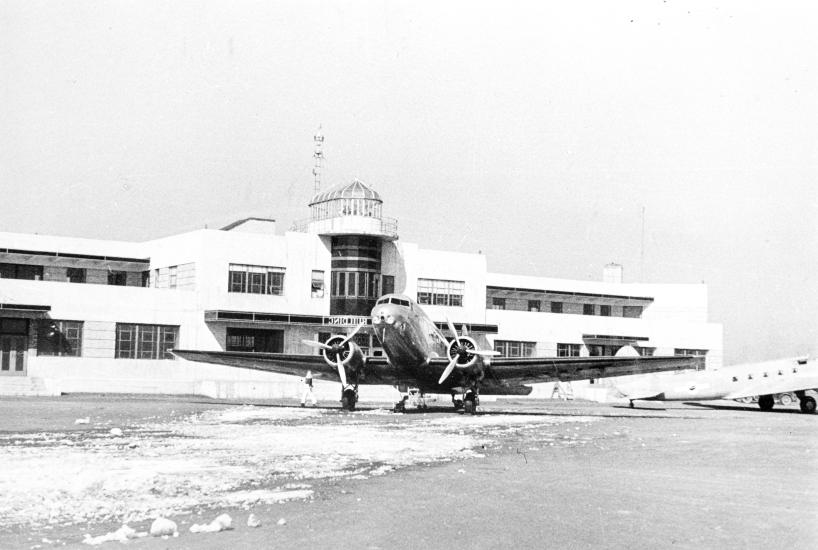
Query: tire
[[766, 402], [348, 400], [468, 407], [808, 405], [786, 399]]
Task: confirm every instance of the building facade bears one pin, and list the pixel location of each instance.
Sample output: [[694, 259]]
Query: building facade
[[83, 315]]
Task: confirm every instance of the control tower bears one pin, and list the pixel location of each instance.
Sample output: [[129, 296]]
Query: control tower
[[349, 214]]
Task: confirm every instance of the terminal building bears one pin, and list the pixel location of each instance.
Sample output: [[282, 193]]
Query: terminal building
[[88, 315]]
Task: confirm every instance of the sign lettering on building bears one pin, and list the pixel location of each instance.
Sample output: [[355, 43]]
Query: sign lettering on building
[[345, 320]]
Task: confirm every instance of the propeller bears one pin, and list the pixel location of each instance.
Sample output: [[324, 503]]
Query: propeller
[[461, 350], [337, 349]]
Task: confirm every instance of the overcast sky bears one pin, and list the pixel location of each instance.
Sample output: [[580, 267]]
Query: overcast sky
[[534, 133]]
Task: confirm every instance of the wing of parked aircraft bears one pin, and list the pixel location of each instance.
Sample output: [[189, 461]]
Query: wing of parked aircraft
[[500, 370]]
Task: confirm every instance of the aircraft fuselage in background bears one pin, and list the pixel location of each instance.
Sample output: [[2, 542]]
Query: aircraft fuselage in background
[[763, 379]]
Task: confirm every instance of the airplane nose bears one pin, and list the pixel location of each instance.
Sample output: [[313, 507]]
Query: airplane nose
[[383, 316]]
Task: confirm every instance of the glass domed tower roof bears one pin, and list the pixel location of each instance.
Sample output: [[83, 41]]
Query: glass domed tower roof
[[354, 190], [351, 208]]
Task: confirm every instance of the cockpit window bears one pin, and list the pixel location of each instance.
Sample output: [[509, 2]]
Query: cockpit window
[[400, 302], [382, 301]]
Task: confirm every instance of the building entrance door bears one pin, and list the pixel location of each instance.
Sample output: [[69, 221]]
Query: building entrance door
[[13, 354]]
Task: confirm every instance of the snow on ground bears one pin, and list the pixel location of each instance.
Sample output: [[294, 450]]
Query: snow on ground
[[231, 457]]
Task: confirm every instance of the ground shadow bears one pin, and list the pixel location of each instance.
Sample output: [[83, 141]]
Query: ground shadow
[[717, 407]]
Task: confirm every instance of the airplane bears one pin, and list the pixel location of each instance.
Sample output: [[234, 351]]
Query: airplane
[[764, 379], [417, 354]]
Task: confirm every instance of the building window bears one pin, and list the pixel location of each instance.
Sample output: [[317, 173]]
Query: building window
[[605, 311], [556, 307], [21, 271], [644, 352], [254, 340], [567, 350], [117, 278], [256, 279], [587, 309], [632, 311], [689, 351], [75, 275], [601, 350], [172, 276], [146, 278], [355, 284], [440, 292], [513, 348], [388, 284], [61, 338], [317, 284], [533, 305], [135, 341], [498, 303]]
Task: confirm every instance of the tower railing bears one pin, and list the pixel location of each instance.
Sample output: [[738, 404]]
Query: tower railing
[[387, 227]]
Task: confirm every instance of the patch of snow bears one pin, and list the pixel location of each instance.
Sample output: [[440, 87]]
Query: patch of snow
[[163, 527]]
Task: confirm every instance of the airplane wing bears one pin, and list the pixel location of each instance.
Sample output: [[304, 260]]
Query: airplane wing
[[377, 370], [531, 370], [500, 373]]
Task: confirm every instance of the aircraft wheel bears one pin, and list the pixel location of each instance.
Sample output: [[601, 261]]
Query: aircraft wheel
[[766, 402], [808, 405], [468, 407], [400, 407], [786, 399], [458, 404], [348, 400]]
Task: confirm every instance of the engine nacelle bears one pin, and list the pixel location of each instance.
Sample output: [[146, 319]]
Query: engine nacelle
[[351, 355], [464, 358]]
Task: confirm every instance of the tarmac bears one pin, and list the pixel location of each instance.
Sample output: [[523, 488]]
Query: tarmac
[[524, 474]]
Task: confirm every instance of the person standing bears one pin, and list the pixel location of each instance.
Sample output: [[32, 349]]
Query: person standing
[[308, 390]]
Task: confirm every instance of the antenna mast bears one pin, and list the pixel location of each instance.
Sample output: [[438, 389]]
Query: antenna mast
[[318, 155]]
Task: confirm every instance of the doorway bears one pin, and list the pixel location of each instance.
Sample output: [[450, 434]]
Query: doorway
[[13, 346]]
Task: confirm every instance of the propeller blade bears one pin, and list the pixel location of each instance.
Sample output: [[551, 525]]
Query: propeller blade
[[483, 352], [354, 332], [454, 331], [341, 371], [314, 344], [448, 371]]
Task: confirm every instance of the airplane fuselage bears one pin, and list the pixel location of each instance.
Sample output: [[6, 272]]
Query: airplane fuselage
[[715, 384], [406, 334]]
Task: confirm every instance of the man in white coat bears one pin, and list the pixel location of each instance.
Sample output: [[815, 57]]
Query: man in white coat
[[308, 390]]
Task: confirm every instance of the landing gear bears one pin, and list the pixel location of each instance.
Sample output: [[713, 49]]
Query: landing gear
[[766, 402], [807, 404], [349, 397], [470, 402], [458, 403]]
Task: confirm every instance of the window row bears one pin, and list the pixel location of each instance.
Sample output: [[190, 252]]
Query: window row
[[72, 274], [63, 338], [440, 292], [514, 348], [346, 207], [256, 279], [356, 284], [603, 310], [689, 351], [137, 341]]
